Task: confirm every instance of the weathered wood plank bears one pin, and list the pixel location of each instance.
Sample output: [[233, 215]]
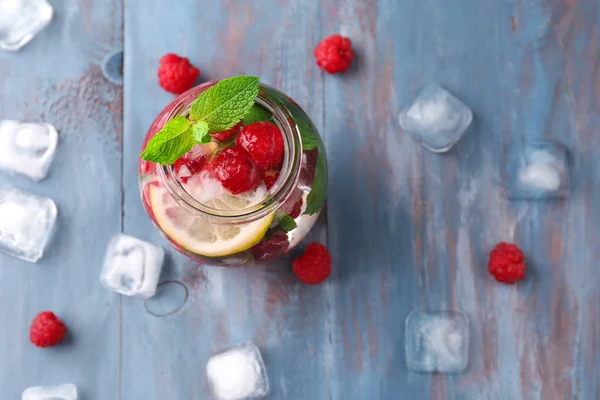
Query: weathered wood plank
[[413, 229], [56, 78], [287, 320]]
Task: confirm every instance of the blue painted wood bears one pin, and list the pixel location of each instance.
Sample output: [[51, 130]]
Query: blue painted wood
[[407, 229], [56, 78]]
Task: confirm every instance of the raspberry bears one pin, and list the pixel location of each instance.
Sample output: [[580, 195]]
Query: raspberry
[[263, 143], [146, 167], [295, 213], [192, 163], [272, 248], [235, 171], [47, 330], [176, 74], [334, 54], [314, 266], [309, 166], [270, 176], [227, 135], [507, 263]]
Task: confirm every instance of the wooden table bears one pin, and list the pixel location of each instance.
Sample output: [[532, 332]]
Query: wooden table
[[408, 229]]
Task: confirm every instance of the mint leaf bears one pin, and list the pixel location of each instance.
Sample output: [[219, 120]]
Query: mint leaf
[[200, 132], [226, 103], [316, 197], [311, 140], [308, 134], [256, 114], [172, 142], [287, 223]]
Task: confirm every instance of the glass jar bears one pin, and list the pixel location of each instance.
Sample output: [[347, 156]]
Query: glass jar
[[254, 234]]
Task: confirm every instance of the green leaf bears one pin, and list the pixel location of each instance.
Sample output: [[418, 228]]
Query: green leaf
[[171, 143], [226, 103], [308, 134], [287, 223], [256, 114], [316, 197], [200, 132], [311, 140]]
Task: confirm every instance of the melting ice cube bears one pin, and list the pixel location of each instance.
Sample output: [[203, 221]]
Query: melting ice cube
[[66, 391], [21, 21], [436, 118], [437, 342], [27, 148], [26, 223], [132, 266], [537, 171], [237, 373]]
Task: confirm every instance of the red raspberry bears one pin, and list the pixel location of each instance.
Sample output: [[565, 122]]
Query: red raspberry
[[192, 163], [47, 330], [146, 167], [272, 248], [309, 166], [507, 263], [295, 213], [176, 74], [263, 143], [314, 266], [235, 171], [270, 176], [334, 54], [227, 135]]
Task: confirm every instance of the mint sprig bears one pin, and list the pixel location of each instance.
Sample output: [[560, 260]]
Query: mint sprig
[[316, 198], [225, 104], [200, 132], [287, 223], [173, 141], [310, 140], [217, 109]]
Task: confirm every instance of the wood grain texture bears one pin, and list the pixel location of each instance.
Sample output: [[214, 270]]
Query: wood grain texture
[[407, 229], [56, 78]]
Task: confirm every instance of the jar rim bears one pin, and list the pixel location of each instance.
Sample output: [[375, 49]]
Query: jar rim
[[276, 196]]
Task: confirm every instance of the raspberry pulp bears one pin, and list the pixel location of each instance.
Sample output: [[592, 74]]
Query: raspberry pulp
[[263, 143]]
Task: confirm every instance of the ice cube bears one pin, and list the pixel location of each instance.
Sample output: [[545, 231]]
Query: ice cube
[[66, 391], [132, 266], [21, 21], [436, 118], [27, 148], [204, 187], [437, 341], [537, 171], [237, 373], [26, 223]]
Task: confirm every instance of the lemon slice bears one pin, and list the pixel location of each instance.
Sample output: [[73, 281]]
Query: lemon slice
[[202, 237]]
